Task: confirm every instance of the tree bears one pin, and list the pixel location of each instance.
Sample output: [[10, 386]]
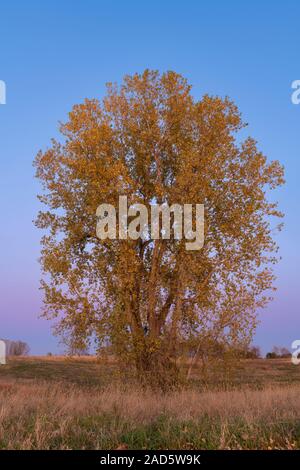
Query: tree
[[252, 352], [285, 353], [153, 142], [255, 352], [18, 348], [271, 355]]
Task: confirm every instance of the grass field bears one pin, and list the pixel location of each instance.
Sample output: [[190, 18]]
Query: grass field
[[80, 403]]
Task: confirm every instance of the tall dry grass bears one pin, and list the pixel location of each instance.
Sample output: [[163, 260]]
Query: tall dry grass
[[35, 415]]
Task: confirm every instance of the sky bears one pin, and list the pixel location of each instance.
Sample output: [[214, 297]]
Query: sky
[[54, 54]]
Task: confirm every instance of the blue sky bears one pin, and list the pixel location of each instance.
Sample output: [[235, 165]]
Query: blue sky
[[55, 54]]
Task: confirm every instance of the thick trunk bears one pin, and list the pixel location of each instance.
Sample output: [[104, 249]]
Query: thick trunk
[[156, 368], [153, 321]]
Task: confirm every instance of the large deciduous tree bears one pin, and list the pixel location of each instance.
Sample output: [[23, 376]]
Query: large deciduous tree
[[151, 140]]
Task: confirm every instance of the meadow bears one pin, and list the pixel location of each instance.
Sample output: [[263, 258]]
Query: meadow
[[84, 403]]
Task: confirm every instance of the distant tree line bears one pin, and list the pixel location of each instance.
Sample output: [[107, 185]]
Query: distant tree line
[[278, 353]]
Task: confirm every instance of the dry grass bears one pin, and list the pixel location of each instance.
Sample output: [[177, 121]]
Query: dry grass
[[54, 415], [81, 403]]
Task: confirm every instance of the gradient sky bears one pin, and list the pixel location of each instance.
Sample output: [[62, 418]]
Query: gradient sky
[[54, 54]]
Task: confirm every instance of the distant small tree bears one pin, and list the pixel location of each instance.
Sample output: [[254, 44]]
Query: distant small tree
[[253, 352], [18, 348], [281, 351], [285, 352]]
